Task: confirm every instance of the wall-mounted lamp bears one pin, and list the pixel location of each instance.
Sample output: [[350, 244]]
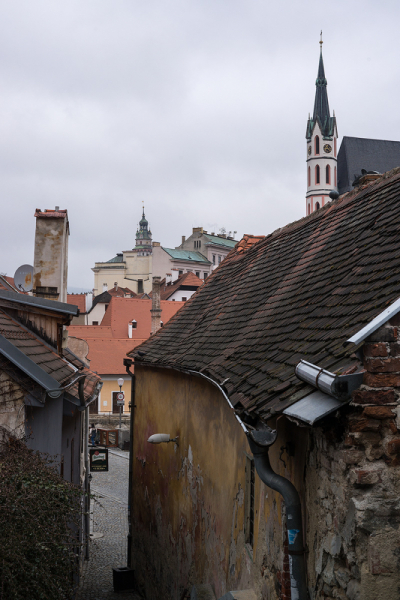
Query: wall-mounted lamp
[[159, 438]]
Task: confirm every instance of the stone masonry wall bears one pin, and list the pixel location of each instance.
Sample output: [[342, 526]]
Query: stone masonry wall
[[12, 413], [353, 486]]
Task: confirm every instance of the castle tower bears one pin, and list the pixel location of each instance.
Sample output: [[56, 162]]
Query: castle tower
[[321, 138], [143, 245]]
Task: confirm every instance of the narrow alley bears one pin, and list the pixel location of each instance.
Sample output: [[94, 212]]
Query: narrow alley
[[109, 527]]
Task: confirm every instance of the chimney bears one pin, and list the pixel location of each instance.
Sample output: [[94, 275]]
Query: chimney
[[105, 287], [116, 286], [50, 264], [168, 278], [130, 330], [155, 306], [183, 239]]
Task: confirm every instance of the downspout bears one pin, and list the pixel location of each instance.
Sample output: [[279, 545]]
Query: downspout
[[259, 442], [85, 407], [128, 363]]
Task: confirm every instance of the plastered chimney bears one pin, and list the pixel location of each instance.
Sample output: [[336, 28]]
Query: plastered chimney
[[156, 305], [50, 264]]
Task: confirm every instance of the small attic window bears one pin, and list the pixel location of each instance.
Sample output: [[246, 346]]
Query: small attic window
[[161, 323], [95, 323], [134, 324], [106, 306]]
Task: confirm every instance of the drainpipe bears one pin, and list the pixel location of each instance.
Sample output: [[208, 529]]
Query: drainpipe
[[259, 442], [128, 363]]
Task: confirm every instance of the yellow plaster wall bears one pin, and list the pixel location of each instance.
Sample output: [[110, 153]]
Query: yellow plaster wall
[[188, 499], [110, 386]]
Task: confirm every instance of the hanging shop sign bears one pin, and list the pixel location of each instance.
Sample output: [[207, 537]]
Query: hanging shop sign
[[98, 459]]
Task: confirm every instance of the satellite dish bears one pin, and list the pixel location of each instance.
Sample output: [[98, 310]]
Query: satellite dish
[[23, 278]]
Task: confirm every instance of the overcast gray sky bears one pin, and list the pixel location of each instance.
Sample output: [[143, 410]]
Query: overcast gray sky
[[196, 107]]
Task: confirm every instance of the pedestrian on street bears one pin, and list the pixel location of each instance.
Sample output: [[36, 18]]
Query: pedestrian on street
[[92, 434]]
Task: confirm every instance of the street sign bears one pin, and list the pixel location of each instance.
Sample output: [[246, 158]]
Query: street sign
[[120, 396], [120, 403], [98, 459]]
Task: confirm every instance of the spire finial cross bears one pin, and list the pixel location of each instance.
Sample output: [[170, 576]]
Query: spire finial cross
[[321, 42]]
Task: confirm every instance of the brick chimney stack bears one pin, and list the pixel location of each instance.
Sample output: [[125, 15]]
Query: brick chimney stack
[[156, 306]]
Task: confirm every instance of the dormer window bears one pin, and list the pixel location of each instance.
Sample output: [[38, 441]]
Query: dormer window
[[134, 324]]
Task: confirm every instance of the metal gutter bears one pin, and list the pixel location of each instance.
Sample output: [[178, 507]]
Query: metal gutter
[[243, 426], [53, 305], [381, 319]]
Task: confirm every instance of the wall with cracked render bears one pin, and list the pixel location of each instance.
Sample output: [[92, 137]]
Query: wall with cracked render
[[188, 499]]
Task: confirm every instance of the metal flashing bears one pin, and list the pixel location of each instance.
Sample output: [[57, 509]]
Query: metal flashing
[[52, 305], [313, 407], [379, 320], [26, 364]]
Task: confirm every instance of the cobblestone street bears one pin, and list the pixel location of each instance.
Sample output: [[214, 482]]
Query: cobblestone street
[[109, 518]]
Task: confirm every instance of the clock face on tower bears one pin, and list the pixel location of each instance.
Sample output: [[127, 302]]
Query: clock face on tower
[[327, 148], [309, 150]]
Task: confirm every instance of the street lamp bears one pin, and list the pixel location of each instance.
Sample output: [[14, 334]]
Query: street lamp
[[120, 398]]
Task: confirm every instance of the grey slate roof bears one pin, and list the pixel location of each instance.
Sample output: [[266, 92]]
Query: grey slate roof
[[53, 305], [363, 153]]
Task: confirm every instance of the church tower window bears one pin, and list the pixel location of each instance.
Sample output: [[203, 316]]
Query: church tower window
[[317, 174], [317, 206], [328, 174], [316, 144], [309, 176]]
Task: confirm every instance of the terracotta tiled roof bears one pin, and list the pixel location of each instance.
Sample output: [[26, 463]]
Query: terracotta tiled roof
[[299, 293], [78, 300], [7, 283], [121, 311], [187, 279], [106, 355], [109, 342], [247, 242], [51, 213], [47, 359]]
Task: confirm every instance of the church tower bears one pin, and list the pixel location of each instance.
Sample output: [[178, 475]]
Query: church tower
[[321, 138], [143, 245]]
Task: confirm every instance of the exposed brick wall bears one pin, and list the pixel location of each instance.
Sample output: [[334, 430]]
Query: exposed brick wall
[[353, 485]]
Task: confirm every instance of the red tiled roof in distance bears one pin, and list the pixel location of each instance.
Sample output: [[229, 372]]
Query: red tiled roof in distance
[[78, 300], [106, 355], [187, 279], [86, 332], [247, 242], [9, 281], [122, 311], [51, 213]]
